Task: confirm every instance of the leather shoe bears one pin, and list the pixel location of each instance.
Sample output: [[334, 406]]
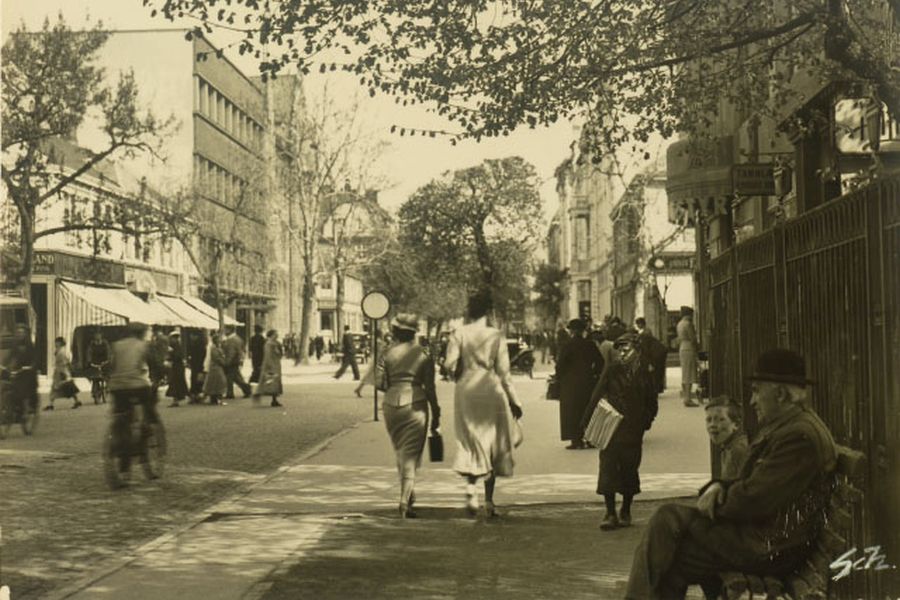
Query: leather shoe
[[624, 519], [610, 521]]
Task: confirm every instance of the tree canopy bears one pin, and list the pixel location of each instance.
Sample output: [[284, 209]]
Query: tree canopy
[[635, 66], [51, 82]]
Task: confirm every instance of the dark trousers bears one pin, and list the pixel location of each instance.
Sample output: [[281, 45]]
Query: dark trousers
[[348, 360], [672, 555], [124, 402], [254, 375], [233, 376]]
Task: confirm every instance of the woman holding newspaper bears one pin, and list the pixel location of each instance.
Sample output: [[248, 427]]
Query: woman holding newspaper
[[623, 406]]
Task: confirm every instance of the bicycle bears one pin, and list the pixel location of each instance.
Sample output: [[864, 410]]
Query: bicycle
[[98, 385], [13, 407], [147, 442]]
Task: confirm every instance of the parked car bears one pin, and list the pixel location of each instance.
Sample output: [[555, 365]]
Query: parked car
[[362, 344], [521, 356]]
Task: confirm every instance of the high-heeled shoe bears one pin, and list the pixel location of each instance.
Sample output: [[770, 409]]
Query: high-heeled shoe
[[472, 505]]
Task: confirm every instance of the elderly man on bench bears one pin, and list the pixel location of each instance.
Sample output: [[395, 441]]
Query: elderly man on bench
[[764, 522]]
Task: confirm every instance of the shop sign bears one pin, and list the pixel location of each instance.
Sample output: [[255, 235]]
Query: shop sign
[[663, 263], [753, 179], [78, 267], [44, 263]]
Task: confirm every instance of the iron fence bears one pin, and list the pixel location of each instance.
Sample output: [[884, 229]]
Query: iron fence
[[826, 284]]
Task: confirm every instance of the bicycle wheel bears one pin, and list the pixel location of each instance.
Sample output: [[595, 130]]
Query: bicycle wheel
[[153, 450], [115, 479]]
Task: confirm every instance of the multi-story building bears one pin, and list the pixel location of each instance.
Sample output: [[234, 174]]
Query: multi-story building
[[612, 220], [214, 155]]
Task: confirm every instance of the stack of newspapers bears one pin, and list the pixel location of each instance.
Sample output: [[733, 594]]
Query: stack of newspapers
[[603, 425]]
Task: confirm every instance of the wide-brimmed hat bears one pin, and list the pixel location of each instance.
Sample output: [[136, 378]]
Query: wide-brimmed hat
[[577, 325], [406, 321], [781, 365]]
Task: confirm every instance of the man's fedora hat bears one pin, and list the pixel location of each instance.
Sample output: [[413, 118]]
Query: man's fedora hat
[[781, 365], [406, 321], [686, 310], [577, 325]]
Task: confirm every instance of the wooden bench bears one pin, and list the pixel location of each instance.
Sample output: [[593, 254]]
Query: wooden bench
[[811, 580]]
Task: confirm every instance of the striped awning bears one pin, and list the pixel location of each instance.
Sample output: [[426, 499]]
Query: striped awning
[[190, 315], [208, 310], [78, 305]]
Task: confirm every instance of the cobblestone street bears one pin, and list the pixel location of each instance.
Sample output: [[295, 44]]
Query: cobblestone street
[[59, 520]]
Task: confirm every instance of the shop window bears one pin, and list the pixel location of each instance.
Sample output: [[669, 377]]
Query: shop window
[[326, 320]]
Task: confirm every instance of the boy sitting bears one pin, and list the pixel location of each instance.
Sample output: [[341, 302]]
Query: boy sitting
[[723, 419]]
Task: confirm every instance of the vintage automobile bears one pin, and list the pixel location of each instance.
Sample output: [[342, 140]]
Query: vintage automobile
[[521, 356]]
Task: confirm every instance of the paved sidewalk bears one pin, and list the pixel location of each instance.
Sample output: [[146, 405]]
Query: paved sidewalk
[[326, 527]]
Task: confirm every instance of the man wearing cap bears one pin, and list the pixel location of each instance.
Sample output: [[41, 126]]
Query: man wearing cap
[[765, 521], [577, 368]]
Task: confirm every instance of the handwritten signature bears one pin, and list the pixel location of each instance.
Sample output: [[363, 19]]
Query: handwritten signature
[[871, 558]]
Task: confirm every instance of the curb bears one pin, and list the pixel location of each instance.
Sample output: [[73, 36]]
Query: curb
[[110, 566]]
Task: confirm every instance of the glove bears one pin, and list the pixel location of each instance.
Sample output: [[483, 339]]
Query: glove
[[516, 411]]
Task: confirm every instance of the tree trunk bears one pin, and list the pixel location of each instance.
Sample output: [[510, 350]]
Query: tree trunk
[[217, 294], [484, 256], [26, 227], [339, 302], [308, 297]]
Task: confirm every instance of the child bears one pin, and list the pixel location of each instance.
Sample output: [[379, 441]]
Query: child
[[723, 419]]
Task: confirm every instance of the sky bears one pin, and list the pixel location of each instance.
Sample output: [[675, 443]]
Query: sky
[[407, 163]]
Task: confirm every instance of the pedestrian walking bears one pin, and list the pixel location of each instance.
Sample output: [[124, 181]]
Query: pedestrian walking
[[63, 385], [320, 347], [178, 388], [233, 349], [98, 355], [157, 359], [559, 340], [626, 386], [197, 360], [687, 354], [408, 372], [216, 382], [485, 402], [257, 348], [348, 355], [577, 369], [270, 370]]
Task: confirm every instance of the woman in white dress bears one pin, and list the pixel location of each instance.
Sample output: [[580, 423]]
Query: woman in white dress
[[485, 401]]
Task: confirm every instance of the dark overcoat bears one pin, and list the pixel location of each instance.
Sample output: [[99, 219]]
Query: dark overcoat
[[178, 387], [776, 507], [578, 366]]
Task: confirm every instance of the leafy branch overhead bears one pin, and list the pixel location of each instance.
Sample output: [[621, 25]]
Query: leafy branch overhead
[[636, 66]]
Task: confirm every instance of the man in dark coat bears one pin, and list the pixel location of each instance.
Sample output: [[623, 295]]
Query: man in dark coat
[[561, 337], [157, 359], [764, 522], [257, 348], [233, 349], [577, 368], [196, 360], [320, 347], [655, 353], [348, 355]]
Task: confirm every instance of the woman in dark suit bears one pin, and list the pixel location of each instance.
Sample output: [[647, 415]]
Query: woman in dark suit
[[577, 368]]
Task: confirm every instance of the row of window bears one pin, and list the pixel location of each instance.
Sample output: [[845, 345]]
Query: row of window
[[213, 105], [225, 187]]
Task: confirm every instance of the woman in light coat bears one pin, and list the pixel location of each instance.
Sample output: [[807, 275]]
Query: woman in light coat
[[486, 404], [270, 370], [214, 386]]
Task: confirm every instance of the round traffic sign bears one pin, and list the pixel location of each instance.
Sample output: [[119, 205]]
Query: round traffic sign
[[376, 305]]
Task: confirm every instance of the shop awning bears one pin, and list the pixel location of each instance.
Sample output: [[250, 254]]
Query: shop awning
[[190, 316], [208, 310]]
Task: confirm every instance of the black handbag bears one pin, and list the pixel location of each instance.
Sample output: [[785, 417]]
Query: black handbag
[[67, 389], [552, 388], [436, 447]]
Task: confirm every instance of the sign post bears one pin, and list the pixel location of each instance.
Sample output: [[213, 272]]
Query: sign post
[[375, 306]]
